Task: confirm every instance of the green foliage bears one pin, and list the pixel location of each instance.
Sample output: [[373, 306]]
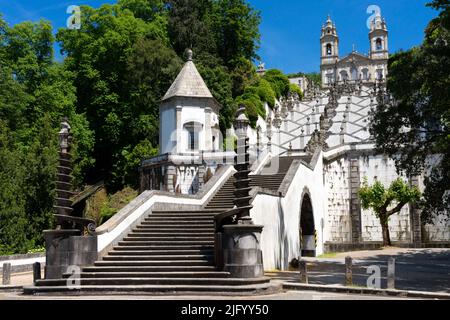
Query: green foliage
[[278, 81], [116, 69], [35, 93], [419, 80], [273, 85], [296, 89], [386, 202], [101, 207], [13, 220], [224, 35], [378, 198]]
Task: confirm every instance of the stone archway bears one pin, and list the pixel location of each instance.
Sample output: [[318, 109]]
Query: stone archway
[[307, 227]]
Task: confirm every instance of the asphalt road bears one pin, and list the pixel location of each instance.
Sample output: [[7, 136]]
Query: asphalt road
[[416, 269]]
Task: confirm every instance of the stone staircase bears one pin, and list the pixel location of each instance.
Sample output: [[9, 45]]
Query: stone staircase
[[168, 252], [223, 200]]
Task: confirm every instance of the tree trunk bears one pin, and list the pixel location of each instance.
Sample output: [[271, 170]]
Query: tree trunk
[[385, 229]]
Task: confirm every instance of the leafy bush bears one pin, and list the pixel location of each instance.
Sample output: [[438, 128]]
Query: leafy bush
[[101, 206], [273, 85]]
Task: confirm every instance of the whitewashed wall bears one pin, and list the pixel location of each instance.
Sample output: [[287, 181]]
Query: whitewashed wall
[[280, 240], [383, 169], [338, 195]]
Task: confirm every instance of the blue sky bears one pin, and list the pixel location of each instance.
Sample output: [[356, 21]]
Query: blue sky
[[290, 29]]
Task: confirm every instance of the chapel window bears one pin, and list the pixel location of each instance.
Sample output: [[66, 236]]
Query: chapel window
[[193, 129], [379, 44]]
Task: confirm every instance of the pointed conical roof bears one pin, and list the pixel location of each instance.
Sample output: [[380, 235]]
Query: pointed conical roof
[[189, 83]]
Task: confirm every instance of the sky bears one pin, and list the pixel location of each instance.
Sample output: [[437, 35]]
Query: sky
[[290, 29]]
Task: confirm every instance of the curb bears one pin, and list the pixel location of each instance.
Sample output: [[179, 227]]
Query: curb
[[8, 288], [368, 291], [22, 256]]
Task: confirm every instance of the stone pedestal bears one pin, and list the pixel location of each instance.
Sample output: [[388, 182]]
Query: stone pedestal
[[66, 248], [242, 256]]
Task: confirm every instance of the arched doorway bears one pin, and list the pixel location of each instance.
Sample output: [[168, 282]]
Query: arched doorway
[[307, 228]]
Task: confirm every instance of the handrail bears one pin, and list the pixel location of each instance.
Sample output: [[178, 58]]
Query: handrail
[[89, 191], [219, 219], [89, 224]]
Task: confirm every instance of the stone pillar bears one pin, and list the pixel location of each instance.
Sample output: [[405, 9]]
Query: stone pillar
[[241, 251], [36, 271], [348, 271], [66, 248], [201, 176], [355, 205], [170, 178], [6, 277], [179, 128], [391, 274], [208, 131], [414, 215]]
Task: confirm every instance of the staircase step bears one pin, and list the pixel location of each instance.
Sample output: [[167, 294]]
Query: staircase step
[[176, 226], [138, 274], [121, 252], [130, 246], [152, 281], [171, 263], [165, 269], [178, 220], [198, 257], [190, 229], [176, 232], [177, 243], [145, 236], [210, 289]]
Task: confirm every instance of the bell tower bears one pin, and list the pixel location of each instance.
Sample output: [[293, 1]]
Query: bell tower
[[378, 36], [329, 44]]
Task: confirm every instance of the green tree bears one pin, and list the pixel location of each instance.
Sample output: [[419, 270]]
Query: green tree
[[237, 26], [190, 26], [415, 131], [35, 93], [386, 202], [13, 221], [40, 162], [119, 99]]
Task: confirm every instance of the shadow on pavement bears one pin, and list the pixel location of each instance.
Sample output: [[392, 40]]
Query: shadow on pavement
[[424, 270]]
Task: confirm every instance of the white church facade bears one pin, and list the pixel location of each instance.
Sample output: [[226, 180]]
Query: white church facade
[[322, 143]]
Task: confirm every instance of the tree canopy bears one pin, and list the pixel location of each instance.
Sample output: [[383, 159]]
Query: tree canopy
[[115, 69], [35, 93], [387, 202], [415, 130]]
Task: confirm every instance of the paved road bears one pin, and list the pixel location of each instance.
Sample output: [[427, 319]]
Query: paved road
[[287, 295], [416, 269]]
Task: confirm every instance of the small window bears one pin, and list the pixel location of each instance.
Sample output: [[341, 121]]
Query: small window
[[193, 129], [344, 75], [354, 74], [380, 74], [329, 78], [329, 49], [365, 74], [379, 44]]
